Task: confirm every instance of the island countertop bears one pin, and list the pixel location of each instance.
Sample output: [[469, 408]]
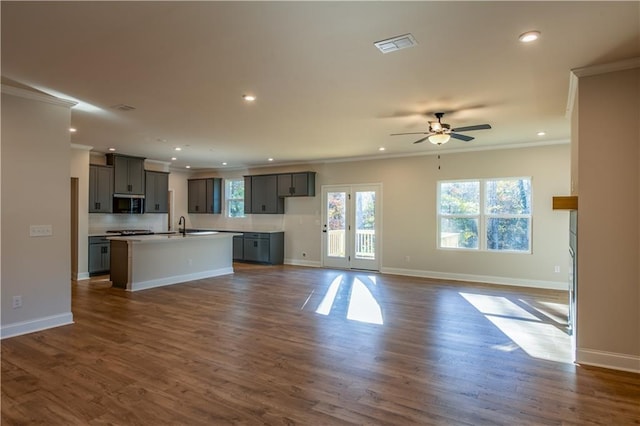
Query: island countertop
[[140, 262], [163, 238]]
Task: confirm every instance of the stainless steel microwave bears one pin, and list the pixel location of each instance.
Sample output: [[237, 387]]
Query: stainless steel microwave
[[130, 204]]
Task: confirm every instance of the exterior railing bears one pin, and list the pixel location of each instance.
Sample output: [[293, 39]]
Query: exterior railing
[[365, 243]]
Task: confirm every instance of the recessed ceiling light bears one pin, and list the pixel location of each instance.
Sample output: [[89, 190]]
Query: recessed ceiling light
[[224, 164], [173, 158], [270, 159], [249, 98], [73, 129], [529, 36], [177, 148], [381, 148], [541, 133], [188, 167], [112, 149]]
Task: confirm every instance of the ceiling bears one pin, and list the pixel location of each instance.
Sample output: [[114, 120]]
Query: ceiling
[[324, 92]]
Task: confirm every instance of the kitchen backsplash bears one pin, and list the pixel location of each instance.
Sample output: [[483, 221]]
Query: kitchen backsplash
[[104, 222]]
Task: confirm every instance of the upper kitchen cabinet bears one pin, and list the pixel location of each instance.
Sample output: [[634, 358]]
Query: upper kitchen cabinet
[[261, 195], [302, 184], [100, 189], [128, 174], [156, 192], [205, 195]]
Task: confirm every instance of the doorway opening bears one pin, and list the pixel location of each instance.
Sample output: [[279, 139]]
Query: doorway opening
[[352, 222]]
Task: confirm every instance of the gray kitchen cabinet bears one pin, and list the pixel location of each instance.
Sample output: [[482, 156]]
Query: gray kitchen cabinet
[[263, 247], [262, 195], [100, 189], [238, 247], [205, 195], [300, 184], [99, 256], [156, 192], [128, 174]]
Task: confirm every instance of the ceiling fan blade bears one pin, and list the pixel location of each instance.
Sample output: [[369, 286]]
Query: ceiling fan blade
[[462, 137], [422, 140], [468, 128], [410, 133]]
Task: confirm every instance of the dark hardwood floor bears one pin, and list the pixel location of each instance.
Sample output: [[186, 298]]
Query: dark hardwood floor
[[292, 345]]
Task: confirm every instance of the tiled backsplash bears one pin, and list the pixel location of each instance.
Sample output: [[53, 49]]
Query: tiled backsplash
[[104, 222]]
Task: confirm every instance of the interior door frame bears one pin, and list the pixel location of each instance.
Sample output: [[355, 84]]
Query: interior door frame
[[351, 189]]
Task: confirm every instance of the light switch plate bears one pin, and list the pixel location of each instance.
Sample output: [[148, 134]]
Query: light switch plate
[[40, 230]]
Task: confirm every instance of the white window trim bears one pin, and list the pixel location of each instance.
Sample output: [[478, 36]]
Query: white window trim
[[482, 217]]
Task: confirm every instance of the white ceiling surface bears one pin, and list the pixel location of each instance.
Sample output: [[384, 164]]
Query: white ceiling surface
[[323, 90]]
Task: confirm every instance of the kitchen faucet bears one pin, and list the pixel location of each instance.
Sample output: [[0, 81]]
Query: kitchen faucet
[[182, 221]]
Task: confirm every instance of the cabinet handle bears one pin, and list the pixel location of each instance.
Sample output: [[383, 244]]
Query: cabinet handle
[[97, 206], [255, 244], [292, 190], [264, 207]]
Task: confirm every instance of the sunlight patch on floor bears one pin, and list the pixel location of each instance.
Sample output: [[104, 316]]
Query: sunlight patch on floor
[[330, 296], [528, 332], [363, 306]]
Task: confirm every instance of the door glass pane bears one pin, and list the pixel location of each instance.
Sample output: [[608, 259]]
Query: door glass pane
[[336, 212], [365, 235]]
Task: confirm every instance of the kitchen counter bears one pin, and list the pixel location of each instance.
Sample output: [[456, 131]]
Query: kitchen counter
[[140, 262]]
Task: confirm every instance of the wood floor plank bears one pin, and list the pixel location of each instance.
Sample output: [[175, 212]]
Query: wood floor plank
[[254, 348]]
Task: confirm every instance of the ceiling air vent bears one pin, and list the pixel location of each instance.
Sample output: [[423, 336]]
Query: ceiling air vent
[[123, 107], [396, 43]]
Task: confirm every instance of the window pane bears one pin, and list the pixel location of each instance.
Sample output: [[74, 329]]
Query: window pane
[[234, 194], [459, 233], [511, 196], [508, 234], [236, 208], [460, 197], [235, 188]]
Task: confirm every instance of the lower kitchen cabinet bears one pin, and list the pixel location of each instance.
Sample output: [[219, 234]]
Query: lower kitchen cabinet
[[238, 247], [99, 256], [261, 247]]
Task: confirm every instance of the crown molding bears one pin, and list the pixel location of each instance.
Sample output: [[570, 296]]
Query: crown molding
[[35, 96], [626, 64], [82, 147], [578, 73]]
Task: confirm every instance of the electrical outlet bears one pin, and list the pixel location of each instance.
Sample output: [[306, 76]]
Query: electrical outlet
[[407, 259], [190, 262], [40, 230], [17, 302], [557, 269]]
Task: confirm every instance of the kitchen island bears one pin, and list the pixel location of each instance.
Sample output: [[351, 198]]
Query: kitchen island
[[146, 261]]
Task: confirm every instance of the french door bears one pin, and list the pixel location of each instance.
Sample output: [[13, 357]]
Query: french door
[[351, 226]]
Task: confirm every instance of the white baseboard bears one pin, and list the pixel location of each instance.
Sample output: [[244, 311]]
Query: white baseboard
[[519, 282], [298, 262], [82, 276], [611, 360], [38, 324], [176, 279]]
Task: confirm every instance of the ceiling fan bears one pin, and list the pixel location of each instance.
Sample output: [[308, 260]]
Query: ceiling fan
[[439, 132]]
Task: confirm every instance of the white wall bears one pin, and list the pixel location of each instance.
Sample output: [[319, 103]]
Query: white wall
[[35, 191], [409, 214], [608, 231]]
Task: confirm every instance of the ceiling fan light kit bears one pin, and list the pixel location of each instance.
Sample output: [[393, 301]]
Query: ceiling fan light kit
[[439, 138], [439, 133]]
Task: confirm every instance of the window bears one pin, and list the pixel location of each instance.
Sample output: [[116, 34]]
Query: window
[[485, 214], [234, 197]]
